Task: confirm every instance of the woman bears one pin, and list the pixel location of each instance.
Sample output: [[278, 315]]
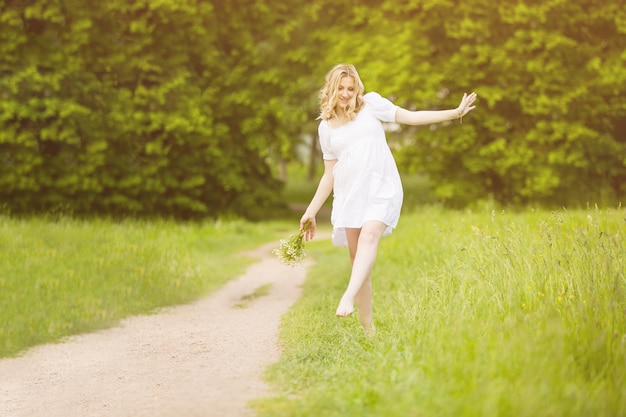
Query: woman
[[360, 169]]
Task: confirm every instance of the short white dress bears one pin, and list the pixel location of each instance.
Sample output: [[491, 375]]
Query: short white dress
[[367, 184]]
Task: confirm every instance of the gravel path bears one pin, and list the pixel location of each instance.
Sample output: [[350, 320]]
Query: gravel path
[[202, 359]]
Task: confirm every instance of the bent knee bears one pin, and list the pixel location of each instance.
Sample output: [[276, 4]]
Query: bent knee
[[369, 237]]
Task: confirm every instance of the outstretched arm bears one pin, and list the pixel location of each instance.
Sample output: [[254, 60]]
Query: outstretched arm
[[428, 117]]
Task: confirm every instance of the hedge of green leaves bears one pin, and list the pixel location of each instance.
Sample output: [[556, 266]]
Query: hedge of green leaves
[[550, 125], [181, 107], [131, 107]]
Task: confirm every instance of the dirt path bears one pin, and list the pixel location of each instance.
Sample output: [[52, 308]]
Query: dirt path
[[202, 359]]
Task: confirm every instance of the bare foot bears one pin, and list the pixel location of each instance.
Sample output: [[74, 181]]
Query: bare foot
[[370, 331], [346, 307]]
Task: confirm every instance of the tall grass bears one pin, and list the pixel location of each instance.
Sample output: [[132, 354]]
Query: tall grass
[[61, 277], [478, 314]]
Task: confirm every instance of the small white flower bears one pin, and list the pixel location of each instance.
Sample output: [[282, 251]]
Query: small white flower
[[291, 251]]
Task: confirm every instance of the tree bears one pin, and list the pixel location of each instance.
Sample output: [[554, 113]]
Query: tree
[[550, 121], [183, 107], [142, 107]]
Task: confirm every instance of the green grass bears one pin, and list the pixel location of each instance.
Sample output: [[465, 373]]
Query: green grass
[[259, 292], [63, 277], [478, 314], [484, 313]]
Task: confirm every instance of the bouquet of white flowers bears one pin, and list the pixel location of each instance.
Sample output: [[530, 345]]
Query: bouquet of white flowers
[[291, 250]]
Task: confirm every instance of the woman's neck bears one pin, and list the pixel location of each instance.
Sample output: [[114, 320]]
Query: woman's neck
[[339, 119], [340, 115]]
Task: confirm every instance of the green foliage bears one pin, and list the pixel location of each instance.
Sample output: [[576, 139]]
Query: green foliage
[[181, 106], [483, 313], [141, 108], [550, 122]]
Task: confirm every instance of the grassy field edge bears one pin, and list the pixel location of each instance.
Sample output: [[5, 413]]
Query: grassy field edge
[[485, 313], [67, 276]]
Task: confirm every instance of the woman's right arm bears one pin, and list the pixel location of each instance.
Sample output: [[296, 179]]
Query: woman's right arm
[[324, 188]]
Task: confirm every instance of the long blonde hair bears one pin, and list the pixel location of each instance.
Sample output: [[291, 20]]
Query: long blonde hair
[[328, 93]]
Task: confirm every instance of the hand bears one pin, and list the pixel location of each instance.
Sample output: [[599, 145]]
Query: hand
[[466, 104], [310, 231]]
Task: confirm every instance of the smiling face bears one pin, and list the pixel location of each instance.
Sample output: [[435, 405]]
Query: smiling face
[[342, 94], [345, 92]]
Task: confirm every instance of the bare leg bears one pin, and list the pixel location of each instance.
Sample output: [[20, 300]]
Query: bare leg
[[364, 305], [363, 298], [363, 257]]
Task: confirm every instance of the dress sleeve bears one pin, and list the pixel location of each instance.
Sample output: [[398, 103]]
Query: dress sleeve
[[324, 136], [382, 108]]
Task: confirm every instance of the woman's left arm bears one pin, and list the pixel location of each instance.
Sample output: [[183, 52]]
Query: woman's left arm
[[428, 117]]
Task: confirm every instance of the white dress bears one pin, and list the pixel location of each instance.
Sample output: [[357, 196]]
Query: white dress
[[367, 184]]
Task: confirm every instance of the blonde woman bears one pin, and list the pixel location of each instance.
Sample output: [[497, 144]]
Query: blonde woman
[[360, 171]]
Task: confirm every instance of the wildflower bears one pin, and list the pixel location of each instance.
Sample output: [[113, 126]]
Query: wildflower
[[291, 250]]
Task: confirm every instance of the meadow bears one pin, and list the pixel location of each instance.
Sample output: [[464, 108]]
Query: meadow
[[481, 312], [61, 276], [478, 313]]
